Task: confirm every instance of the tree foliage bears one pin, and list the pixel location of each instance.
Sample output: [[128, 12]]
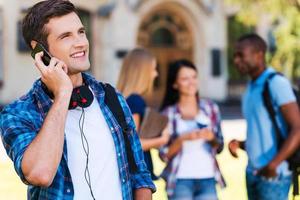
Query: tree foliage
[[285, 17]]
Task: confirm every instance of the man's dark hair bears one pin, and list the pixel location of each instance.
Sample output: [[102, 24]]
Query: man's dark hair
[[33, 26], [255, 41]]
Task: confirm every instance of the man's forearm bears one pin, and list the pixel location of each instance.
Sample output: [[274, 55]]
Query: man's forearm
[[175, 147], [143, 194], [43, 155], [288, 148]]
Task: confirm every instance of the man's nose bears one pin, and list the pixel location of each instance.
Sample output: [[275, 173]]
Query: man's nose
[[80, 41]]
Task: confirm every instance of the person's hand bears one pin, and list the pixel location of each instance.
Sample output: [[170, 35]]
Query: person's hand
[[269, 171], [233, 146], [142, 194], [206, 134], [54, 76], [165, 136], [192, 135]]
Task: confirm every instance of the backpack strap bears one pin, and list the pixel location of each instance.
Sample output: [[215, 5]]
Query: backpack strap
[[111, 100], [269, 106], [267, 99]]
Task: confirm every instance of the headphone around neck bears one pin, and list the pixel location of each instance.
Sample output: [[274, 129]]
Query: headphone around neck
[[81, 96]]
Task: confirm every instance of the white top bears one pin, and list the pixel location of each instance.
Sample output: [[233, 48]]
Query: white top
[[197, 161], [103, 167]]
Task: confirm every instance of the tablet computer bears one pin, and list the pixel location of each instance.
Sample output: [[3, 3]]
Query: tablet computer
[[153, 124]]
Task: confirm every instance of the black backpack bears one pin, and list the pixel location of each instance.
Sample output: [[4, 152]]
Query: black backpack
[[294, 159], [111, 100]]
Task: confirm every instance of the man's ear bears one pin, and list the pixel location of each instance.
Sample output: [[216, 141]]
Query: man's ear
[[33, 44], [175, 86], [260, 56]]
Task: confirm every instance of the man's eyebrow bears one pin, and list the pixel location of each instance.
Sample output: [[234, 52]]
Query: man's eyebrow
[[63, 34], [68, 32]]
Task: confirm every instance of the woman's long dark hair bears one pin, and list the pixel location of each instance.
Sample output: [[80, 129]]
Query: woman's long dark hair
[[172, 95]]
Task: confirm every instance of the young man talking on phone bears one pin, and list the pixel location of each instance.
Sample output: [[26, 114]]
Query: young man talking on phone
[[61, 150]]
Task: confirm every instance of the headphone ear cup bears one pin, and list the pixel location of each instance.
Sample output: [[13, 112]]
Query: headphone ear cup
[[81, 96], [73, 101], [85, 97]]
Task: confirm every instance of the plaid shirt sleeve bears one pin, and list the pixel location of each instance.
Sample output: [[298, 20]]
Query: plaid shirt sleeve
[[216, 119], [142, 178], [165, 148], [17, 133]]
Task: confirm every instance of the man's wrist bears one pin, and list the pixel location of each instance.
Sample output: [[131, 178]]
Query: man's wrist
[[273, 164], [143, 193]]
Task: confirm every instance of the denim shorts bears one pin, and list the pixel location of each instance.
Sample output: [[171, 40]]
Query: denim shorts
[[195, 189], [260, 188]]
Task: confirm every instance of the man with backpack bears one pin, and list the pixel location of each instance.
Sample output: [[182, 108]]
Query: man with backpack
[[268, 174]]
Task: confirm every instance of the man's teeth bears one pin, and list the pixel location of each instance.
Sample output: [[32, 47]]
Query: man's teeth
[[78, 54]]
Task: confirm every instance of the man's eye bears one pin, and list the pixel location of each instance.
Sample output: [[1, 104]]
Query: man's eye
[[64, 36]]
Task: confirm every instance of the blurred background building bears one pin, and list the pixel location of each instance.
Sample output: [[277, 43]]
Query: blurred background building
[[199, 30]]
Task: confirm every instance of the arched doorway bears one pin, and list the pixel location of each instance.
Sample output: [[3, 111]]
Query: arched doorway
[[166, 34]]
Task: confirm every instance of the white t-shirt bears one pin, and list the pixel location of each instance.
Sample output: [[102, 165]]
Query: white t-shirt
[[197, 161], [103, 167]]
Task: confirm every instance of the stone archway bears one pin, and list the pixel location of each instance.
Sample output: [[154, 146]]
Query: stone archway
[[166, 34]]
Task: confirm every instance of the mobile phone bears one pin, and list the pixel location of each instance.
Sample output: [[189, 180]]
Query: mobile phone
[[200, 125], [46, 57]]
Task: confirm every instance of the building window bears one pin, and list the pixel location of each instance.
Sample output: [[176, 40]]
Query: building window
[[216, 62], [22, 46]]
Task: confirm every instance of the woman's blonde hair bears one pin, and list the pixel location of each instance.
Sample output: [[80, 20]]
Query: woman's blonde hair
[[135, 75]]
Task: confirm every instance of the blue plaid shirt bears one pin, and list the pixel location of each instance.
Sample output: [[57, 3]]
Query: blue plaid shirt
[[22, 120]]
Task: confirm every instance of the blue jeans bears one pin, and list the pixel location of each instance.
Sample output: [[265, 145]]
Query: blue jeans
[[195, 189], [260, 188]]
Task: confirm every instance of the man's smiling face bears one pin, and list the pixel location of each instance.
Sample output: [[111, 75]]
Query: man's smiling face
[[68, 42]]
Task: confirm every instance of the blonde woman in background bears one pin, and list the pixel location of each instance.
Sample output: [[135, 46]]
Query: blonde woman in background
[[135, 83]]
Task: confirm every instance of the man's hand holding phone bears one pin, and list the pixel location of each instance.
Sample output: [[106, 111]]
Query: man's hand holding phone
[[203, 133], [54, 76]]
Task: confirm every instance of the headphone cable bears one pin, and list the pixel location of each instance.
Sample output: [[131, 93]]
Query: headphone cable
[[86, 149]]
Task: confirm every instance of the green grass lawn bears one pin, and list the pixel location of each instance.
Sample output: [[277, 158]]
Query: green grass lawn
[[11, 187]]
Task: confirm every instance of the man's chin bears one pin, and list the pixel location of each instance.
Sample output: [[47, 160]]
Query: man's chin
[[76, 70]]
